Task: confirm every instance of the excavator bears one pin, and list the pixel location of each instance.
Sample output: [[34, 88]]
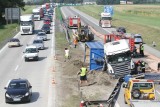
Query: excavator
[[83, 33]]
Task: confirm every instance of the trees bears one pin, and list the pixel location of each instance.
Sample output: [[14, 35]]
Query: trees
[[8, 4]]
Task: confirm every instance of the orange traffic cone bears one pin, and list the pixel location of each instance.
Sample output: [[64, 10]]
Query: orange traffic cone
[[82, 104]]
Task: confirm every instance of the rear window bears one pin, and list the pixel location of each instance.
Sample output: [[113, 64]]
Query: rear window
[[142, 86]]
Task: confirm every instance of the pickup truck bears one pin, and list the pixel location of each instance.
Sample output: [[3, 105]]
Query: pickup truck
[[140, 93]]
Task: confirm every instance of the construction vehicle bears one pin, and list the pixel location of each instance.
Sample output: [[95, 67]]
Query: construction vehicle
[[27, 24], [105, 20], [118, 61], [140, 93], [73, 22]]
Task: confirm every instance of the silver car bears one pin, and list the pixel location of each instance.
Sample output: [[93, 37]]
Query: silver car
[[42, 35], [38, 43], [138, 39]]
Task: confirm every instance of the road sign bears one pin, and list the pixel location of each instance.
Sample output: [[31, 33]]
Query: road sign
[[12, 13], [108, 9]]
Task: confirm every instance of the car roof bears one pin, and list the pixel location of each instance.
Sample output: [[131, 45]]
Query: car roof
[[31, 46], [137, 35], [19, 80]]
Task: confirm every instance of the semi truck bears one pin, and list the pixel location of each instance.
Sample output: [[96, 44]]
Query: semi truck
[[105, 20], [37, 13], [117, 59], [27, 24]]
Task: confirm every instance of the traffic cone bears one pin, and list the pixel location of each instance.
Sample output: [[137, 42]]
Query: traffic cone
[[82, 104], [100, 105]]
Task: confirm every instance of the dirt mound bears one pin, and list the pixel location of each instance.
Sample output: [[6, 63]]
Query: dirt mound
[[99, 78]]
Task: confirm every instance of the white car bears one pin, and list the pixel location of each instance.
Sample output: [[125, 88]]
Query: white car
[[42, 35], [13, 42], [31, 53], [38, 43], [138, 39]]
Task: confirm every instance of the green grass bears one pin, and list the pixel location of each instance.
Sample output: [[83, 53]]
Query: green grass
[[28, 9], [142, 19]]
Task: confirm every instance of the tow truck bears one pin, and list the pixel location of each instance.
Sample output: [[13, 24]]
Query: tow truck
[[140, 93]]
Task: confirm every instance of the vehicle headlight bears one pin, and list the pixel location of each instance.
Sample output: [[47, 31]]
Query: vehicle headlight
[[7, 95], [27, 94]]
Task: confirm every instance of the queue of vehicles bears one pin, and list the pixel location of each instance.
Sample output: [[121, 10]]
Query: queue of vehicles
[[20, 90]]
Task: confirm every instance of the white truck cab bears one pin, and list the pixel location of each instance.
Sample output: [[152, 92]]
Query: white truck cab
[[36, 14], [27, 24], [105, 20], [118, 58], [31, 53]]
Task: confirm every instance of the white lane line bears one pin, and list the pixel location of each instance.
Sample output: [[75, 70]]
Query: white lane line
[[158, 92], [52, 91], [117, 104], [16, 67]]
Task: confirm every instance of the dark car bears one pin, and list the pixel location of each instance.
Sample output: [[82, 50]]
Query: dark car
[[46, 28], [121, 30], [18, 90]]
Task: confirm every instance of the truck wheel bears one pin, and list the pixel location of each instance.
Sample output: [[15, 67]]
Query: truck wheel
[[136, 93]]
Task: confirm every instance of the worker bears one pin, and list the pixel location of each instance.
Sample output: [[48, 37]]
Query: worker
[[83, 74], [67, 56], [75, 42], [142, 64], [141, 49]]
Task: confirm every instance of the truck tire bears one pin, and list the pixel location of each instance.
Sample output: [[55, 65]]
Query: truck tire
[[136, 93]]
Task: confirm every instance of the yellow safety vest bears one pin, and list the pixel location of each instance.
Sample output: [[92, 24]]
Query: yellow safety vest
[[142, 47], [83, 71]]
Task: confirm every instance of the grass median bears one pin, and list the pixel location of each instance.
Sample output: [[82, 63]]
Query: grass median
[[141, 19]]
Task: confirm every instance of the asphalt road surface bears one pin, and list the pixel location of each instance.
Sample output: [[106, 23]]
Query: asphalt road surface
[[13, 66], [70, 11]]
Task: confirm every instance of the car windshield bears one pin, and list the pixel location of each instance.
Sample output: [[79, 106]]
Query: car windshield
[[26, 23], [17, 85], [41, 34], [36, 13], [118, 58], [31, 50], [37, 41], [14, 40], [46, 27], [137, 37]]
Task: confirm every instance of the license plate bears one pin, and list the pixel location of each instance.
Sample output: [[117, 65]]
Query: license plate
[[16, 99], [31, 58]]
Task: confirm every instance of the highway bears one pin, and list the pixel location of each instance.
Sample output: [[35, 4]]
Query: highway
[[70, 11], [38, 73]]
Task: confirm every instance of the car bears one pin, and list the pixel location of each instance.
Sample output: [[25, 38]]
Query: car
[[46, 28], [42, 35], [138, 39], [14, 42], [38, 43], [121, 30], [18, 90], [31, 53]]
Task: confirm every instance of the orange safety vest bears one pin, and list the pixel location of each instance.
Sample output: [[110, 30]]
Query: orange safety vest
[[75, 41]]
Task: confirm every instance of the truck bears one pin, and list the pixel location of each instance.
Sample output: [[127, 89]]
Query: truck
[[37, 13], [27, 24], [73, 22], [105, 20], [117, 58], [140, 93]]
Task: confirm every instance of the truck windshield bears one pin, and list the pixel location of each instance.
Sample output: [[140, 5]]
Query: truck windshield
[[118, 58], [106, 18], [26, 23], [36, 13], [142, 86]]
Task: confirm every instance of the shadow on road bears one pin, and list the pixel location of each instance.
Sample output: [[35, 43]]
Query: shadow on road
[[35, 96]]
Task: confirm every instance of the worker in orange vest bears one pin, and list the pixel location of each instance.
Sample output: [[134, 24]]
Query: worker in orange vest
[[75, 42]]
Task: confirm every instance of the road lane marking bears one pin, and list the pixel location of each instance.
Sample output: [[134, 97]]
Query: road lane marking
[[16, 67], [117, 104], [158, 92]]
